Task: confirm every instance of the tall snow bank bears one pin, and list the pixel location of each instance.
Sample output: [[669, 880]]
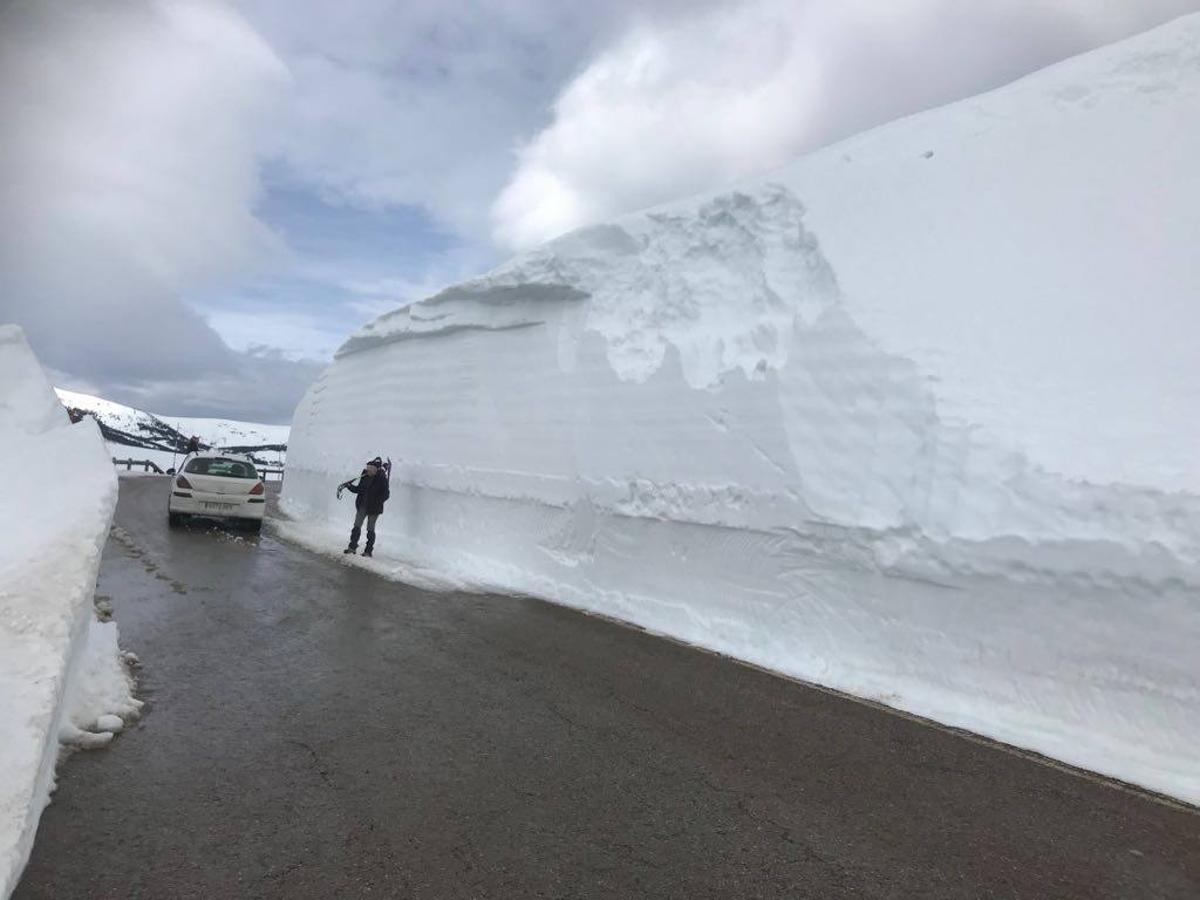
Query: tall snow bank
[[59, 669], [915, 418]]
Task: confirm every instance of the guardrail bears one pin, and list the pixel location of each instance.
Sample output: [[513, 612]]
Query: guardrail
[[146, 465]]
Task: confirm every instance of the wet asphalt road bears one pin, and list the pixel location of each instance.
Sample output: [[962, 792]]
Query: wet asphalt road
[[316, 732]]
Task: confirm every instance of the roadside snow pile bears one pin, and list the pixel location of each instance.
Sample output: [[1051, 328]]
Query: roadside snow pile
[[315, 537], [59, 667], [915, 419]]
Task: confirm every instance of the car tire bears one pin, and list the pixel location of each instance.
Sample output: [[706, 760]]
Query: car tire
[[254, 526], [175, 519]]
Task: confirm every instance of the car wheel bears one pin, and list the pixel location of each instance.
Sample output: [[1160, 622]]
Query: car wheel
[[253, 525], [174, 519]]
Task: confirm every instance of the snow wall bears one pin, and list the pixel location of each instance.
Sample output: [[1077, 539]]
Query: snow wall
[[915, 418], [59, 666]]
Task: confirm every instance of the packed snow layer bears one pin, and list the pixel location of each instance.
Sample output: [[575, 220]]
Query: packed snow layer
[[914, 419], [59, 667]]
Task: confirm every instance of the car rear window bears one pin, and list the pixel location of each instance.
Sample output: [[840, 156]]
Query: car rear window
[[225, 468]]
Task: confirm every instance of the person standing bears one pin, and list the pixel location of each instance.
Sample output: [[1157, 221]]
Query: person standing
[[372, 491]]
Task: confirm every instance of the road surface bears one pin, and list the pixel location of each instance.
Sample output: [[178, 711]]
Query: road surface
[[313, 731]]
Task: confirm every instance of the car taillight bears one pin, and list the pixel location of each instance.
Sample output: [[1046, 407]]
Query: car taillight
[[183, 482], [257, 489]]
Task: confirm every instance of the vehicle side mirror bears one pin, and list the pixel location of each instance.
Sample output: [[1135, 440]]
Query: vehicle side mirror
[[171, 471]]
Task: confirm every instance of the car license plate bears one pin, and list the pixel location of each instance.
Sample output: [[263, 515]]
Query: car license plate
[[208, 505]]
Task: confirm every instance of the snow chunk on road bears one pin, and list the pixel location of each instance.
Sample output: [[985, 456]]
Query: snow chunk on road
[[101, 694], [110, 723], [59, 667]]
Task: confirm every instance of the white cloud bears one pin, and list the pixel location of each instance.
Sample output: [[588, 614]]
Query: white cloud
[[685, 103], [128, 167], [295, 335], [134, 132], [411, 102], [128, 176], [374, 297], [263, 385]]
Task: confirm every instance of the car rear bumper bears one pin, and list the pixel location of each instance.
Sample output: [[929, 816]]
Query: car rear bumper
[[220, 506]]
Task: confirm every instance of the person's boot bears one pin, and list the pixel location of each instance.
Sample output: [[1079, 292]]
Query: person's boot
[[352, 549], [369, 550]]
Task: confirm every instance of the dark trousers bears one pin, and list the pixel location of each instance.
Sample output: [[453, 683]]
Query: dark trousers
[[357, 530]]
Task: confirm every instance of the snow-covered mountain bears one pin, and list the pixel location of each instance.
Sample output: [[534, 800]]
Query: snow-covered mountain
[[915, 418], [134, 433]]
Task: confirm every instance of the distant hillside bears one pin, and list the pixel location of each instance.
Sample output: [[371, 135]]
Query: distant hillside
[[138, 434]]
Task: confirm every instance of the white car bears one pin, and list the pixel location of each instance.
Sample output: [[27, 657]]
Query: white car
[[220, 485]]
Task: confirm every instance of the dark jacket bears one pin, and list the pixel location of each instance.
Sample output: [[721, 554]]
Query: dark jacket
[[372, 491]]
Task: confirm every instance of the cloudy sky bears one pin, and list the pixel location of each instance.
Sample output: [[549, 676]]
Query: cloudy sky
[[200, 199]]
